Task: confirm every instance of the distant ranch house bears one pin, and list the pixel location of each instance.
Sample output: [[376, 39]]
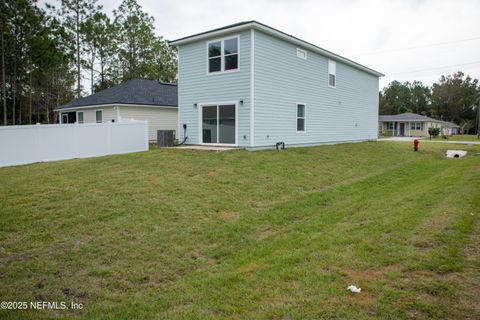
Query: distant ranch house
[[413, 125], [138, 99]]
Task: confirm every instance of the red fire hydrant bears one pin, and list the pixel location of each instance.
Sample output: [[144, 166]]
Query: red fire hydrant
[[416, 142]]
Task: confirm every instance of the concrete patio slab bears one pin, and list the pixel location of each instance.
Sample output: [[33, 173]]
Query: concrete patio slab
[[206, 148]]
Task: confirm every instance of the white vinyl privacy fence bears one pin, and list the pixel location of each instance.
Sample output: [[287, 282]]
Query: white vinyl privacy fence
[[36, 143]]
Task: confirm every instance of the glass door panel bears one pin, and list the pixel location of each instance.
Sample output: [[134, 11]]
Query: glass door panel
[[226, 124], [209, 124]]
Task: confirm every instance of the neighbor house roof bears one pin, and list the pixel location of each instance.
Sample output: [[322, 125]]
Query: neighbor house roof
[[276, 33], [134, 92], [450, 124], [407, 116]]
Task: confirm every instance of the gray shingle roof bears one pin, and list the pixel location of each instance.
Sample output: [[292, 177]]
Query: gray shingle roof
[[134, 91], [408, 116], [450, 124]]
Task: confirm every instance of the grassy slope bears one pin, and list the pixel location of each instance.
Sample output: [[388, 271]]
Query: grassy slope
[[187, 234]]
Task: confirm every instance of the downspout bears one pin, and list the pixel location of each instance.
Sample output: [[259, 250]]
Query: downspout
[[252, 87], [119, 118]]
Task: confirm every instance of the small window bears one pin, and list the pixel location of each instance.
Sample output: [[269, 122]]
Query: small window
[[223, 55], [98, 116], [80, 116], [389, 125], [332, 74], [301, 53], [300, 117]]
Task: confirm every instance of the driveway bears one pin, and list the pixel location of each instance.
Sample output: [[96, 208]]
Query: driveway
[[401, 139], [410, 139]]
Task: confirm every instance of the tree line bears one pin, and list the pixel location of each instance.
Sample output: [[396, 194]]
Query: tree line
[[48, 53], [453, 98]]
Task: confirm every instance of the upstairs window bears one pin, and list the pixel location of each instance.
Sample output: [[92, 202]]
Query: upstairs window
[[302, 54], [223, 55], [300, 117], [332, 74]]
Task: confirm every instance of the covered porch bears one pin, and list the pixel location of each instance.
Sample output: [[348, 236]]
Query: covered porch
[[403, 129]]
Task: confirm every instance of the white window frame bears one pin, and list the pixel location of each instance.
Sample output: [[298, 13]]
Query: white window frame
[[334, 73], [417, 126], [302, 54], [101, 112], [390, 125], [83, 115], [200, 122], [304, 117], [222, 55]]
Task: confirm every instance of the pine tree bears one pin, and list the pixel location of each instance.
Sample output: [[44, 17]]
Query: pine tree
[[75, 13]]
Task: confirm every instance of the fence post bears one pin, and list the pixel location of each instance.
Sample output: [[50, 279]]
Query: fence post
[[109, 137], [146, 134], [75, 140], [38, 142]]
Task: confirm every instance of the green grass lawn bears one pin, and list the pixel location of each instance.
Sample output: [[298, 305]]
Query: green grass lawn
[[177, 234], [460, 137]]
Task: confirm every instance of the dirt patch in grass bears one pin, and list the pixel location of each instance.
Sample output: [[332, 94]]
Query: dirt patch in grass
[[423, 239], [227, 215], [251, 267], [372, 275], [364, 299], [366, 279], [264, 234]]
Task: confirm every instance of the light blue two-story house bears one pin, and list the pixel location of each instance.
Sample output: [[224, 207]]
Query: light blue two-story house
[[250, 85]]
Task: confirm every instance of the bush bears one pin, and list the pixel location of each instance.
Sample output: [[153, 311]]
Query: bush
[[433, 132]]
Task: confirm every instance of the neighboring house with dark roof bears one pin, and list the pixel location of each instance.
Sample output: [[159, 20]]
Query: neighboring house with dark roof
[[138, 99], [413, 125], [252, 86]]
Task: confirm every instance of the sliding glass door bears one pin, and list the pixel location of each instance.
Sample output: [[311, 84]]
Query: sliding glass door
[[218, 124]]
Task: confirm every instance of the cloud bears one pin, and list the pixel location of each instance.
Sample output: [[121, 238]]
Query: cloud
[[346, 27]]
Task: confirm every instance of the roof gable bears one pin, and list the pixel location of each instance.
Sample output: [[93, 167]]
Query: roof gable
[[275, 33], [134, 91]]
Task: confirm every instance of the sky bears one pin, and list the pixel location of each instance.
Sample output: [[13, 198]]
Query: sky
[[404, 39]]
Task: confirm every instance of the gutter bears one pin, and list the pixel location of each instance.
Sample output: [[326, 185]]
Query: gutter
[[114, 105]]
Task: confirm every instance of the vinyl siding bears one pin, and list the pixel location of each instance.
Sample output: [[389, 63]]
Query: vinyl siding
[[348, 112], [196, 86], [158, 118]]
